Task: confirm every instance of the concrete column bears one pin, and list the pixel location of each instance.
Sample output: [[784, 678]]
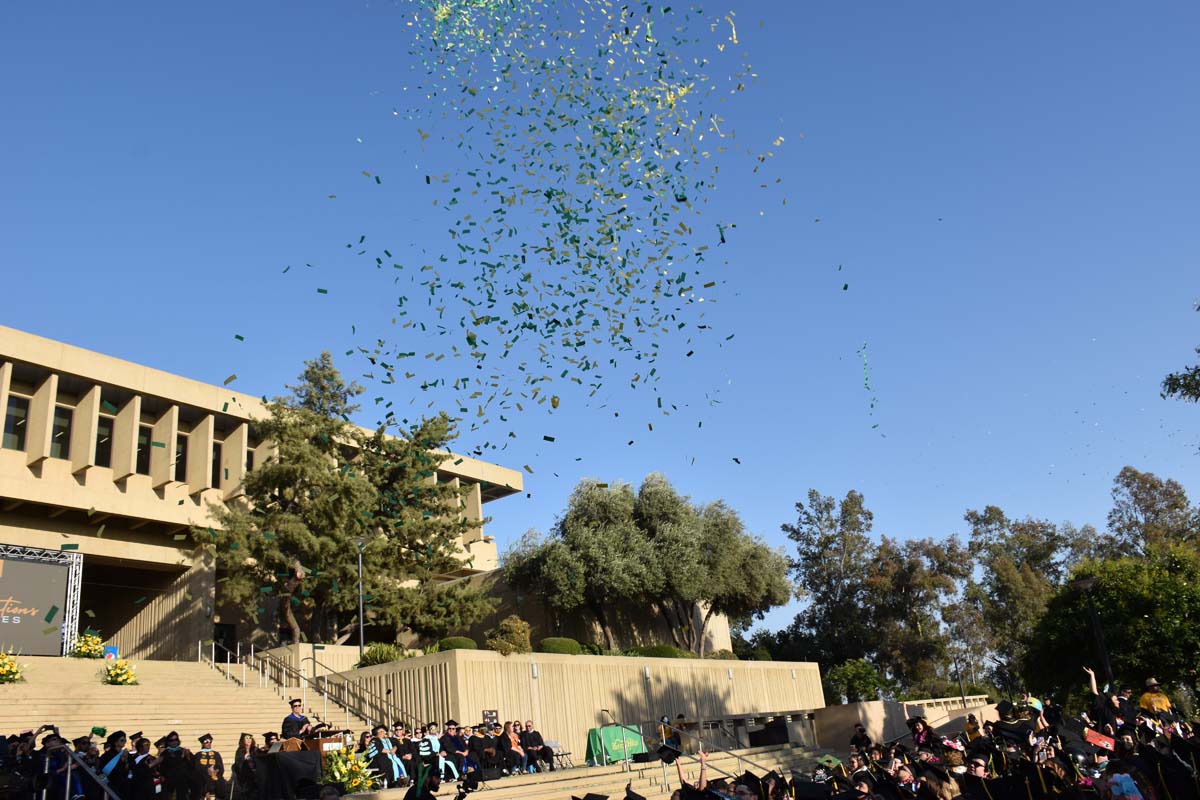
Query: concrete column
[[162, 448], [233, 462], [266, 451], [5, 382], [199, 455], [125, 436], [41, 419], [83, 430], [474, 512]]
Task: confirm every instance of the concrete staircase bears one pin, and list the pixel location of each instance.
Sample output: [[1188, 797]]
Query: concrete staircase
[[189, 697], [649, 780]]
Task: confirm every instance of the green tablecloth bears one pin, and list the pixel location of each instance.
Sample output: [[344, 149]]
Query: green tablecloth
[[604, 745]]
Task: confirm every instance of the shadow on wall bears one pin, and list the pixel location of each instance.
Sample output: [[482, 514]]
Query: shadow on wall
[[886, 721], [652, 629]]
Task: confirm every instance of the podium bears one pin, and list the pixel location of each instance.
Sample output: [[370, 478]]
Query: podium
[[324, 745]]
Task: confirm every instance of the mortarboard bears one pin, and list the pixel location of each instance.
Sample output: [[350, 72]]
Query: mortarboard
[[804, 789], [753, 783], [160, 741], [591, 796], [134, 736], [204, 738], [270, 735], [668, 753], [630, 794], [81, 742]]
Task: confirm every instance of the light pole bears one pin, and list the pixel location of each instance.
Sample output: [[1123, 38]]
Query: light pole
[[360, 542]]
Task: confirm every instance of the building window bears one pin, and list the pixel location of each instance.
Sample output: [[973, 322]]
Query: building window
[[181, 441], [142, 466], [15, 419], [60, 434], [104, 437], [249, 459], [216, 466]]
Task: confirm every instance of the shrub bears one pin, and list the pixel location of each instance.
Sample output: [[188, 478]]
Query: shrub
[[722, 655], [760, 654], [659, 651], [381, 653], [593, 649], [562, 645], [510, 636], [457, 643], [88, 645]]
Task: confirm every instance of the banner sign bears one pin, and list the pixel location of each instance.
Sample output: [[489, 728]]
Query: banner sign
[[33, 599]]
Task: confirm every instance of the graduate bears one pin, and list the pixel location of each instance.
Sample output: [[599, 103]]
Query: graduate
[[383, 754], [145, 779], [210, 769]]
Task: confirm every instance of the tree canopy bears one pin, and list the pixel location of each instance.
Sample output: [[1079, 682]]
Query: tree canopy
[[615, 550], [290, 546]]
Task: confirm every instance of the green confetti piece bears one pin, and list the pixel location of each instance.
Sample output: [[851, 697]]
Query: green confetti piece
[[266, 589], [48, 631], [109, 407], [548, 438], [225, 407], [140, 600], [51, 613], [68, 547], [91, 632], [100, 532], [91, 615], [230, 379], [239, 337], [322, 291], [179, 537], [157, 444]]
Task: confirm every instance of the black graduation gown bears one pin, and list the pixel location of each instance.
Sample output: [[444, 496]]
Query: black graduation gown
[[118, 778], [291, 725], [142, 785], [176, 768], [203, 760], [475, 748], [245, 774]]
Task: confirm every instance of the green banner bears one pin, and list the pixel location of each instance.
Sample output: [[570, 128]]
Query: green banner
[[613, 743]]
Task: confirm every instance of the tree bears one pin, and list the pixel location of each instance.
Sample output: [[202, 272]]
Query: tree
[[911, 583], [1148, 512], [1185, 384], [328, 488], [1148, 608], [614, 551], [854, 681], [1022, 562], [830, 570]]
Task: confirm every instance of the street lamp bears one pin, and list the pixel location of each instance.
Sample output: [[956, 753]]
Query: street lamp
[[360, 541], [1086, 585]]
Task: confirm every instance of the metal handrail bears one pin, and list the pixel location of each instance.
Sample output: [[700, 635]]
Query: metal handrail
[[73, 759], [383, 704]]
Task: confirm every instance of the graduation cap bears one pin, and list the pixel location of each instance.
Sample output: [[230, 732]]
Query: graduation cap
[[160, 741], [205, 738], [115, 737], [689, 792], [630, 794], [804, 789], [82, 742], [295, 700], [753, 783], [133, 737], [591, 796], [912, 721], [829, 760], [668, 753], [270, 735]]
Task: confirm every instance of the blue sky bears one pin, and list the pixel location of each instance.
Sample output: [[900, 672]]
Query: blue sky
[[1009, 191]]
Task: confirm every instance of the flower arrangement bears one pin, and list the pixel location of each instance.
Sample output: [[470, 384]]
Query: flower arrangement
[[88, 645], [351, 770], [119, 673], [10, 670]]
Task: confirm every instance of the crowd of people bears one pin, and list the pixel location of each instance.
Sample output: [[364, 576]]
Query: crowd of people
[[137, 769], [1117, 745]]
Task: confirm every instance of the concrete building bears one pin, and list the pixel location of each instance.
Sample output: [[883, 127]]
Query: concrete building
[[119, 460]]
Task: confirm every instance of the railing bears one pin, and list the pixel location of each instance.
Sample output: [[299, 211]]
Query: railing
[[75, 763], [271, 671], [347, 692]]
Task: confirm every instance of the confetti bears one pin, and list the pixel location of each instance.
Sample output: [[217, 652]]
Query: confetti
[[68, 547], [239, 337], [229, 380], [51, 613]]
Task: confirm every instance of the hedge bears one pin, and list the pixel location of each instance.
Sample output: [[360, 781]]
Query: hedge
[[659, 651], [560, 644], [457, 643]]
